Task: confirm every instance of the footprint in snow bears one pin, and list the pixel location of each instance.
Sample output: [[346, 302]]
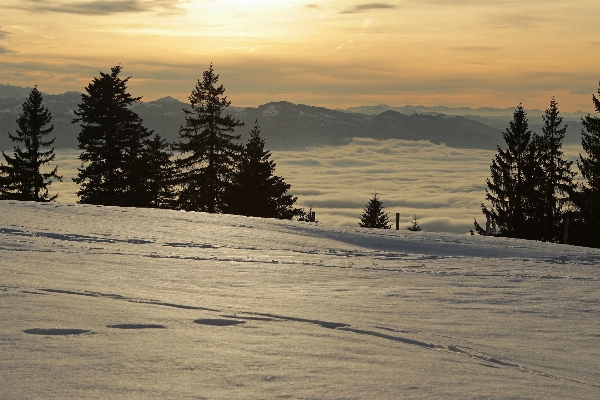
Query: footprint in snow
[[218, 322], [136, 326], [55, 331]]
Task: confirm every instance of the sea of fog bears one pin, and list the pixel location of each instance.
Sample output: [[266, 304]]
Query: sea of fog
[[442, 186]]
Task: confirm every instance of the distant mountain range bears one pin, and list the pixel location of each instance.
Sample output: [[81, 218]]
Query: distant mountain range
[[287, 126], [463, 111]]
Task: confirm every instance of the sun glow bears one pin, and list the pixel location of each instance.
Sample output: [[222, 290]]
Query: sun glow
[[332, 53]]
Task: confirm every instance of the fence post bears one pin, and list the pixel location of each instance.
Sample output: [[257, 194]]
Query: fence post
[[487, 225], [397, 221], [567, 219]]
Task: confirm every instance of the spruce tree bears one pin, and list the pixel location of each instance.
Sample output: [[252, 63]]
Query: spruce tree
[[112, 139], [160, 173], [208, 148], [515, 178], [587, 199], [21, 178], [557, 184], [414, 225], [255, 191], [374, 215]]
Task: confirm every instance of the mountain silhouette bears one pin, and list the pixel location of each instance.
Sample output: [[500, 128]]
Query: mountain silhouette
[[288, 126]]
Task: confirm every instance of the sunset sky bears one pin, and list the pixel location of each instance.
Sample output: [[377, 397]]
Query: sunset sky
[[337, 54]]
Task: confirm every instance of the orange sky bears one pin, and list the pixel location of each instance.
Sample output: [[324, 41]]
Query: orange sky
[[336, 54]]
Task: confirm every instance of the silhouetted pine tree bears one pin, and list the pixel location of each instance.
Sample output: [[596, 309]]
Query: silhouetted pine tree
[[374, 216], [207, 147], [114, 165], [587, 199], [161, 172], [414, 225], [21, 178], [513, 188], [557, 185], [255, 191]]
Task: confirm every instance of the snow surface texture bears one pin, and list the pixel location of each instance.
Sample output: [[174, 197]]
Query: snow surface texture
[[105, 302]]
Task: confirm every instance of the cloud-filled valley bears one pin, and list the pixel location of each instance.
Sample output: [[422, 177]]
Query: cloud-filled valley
[[443, 187]]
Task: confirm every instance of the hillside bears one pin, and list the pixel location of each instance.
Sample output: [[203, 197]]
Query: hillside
[[494, 117], [105, 302], [287, 126], [284, 126], [295, 126]]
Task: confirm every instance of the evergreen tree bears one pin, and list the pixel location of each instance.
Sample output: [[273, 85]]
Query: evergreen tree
[[21, 178], [255, 191], [160, 173], [208, 148], [557, 185], [513, 188], [307, 216], [114, 165], [414, 225], [374, 216], [587, 199]]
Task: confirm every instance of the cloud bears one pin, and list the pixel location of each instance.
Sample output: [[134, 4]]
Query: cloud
[[366, 7], [477, 49], [100, 7], [341, 46], [308, 162], [315, 6], [308, 192], [515, 20], [442, 186], [4, 50]]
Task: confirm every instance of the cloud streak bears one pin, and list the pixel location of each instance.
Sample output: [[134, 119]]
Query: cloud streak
[[4, 50], [100, 7], [368, 7]]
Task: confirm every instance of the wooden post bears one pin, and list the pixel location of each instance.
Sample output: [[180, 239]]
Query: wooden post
[[487, 225], [397, 221], [567, 219], [313, 217]]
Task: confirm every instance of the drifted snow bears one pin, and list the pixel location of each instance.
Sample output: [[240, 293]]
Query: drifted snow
[[105, 302]]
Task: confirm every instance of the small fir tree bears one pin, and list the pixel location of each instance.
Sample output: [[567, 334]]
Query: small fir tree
[[21, 178], [208, 148], [114, 162], [255, 191], [374, 215], [414, 225]]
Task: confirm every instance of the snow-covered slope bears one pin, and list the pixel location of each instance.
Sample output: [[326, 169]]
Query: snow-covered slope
[[103, 302]]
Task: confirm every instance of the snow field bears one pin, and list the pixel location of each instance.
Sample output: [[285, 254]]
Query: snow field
[[193, 305]]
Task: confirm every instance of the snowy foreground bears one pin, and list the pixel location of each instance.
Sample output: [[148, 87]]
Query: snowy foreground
[[104, 302]]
